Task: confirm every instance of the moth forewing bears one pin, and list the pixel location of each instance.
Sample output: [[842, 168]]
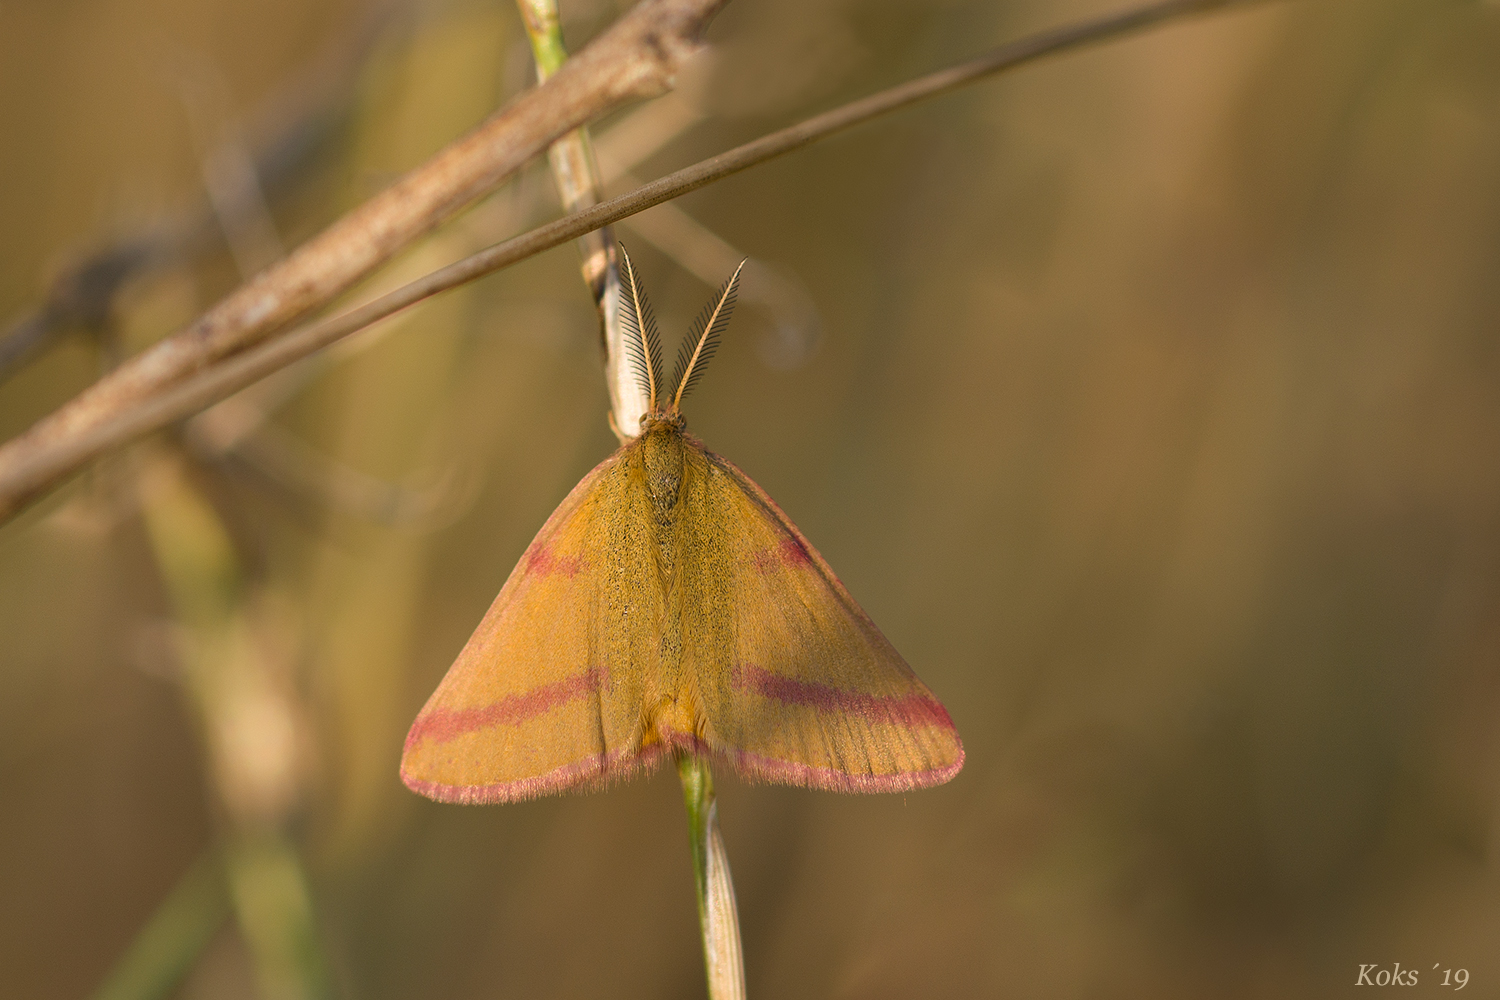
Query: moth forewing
[[669, 605]]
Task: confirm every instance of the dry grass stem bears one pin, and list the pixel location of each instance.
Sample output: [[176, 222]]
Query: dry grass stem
[[637, 57], [141, 397], [579, 186]]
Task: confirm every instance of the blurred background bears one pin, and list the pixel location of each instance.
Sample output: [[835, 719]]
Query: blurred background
[[1148, 398]]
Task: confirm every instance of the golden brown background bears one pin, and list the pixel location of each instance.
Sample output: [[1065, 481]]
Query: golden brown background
[[1148, 398]]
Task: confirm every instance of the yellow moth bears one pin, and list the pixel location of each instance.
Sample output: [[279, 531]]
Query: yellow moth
[[668, 605]]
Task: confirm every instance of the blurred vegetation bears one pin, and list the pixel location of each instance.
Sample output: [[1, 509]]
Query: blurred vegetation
[[1148, 398]]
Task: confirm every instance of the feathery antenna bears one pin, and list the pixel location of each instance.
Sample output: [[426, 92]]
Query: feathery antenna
[[703, 337], [639, 325]]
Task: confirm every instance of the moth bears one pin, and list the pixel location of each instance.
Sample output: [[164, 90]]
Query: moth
[[668, 606]]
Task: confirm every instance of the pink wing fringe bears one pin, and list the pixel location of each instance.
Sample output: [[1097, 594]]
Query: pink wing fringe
[[596, 772]]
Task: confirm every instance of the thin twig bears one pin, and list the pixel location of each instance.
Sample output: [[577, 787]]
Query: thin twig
[[704, 254], [637, 57], [32, 464]]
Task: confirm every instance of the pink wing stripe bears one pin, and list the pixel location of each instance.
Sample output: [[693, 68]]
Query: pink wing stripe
[[790, 553], [443, 724], [541, 561], [794, 553], [901, 710]]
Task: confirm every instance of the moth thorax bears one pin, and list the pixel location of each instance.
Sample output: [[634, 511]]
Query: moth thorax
[[661, 453]]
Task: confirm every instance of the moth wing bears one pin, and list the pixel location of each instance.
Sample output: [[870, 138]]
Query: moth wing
[[807, 691], [547, 693]]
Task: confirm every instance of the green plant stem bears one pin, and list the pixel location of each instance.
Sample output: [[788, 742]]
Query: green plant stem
[[261, 871], [580, 186], [177, 933], [718, 917], [545, 32], [274, 910]]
